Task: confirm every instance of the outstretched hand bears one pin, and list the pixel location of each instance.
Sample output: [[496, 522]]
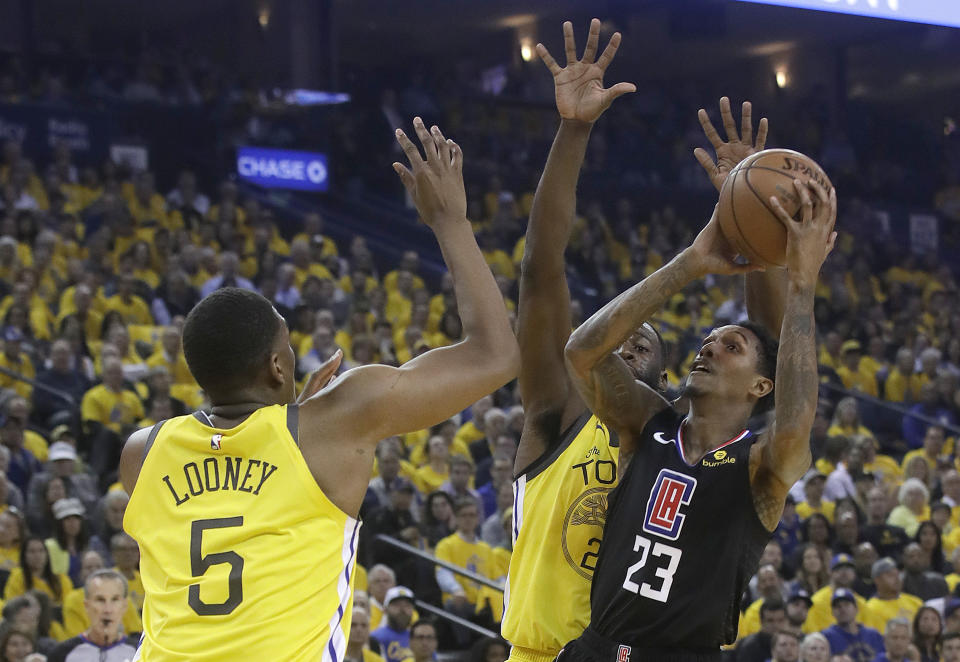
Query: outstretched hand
[[579, 85], [809, 240], [712, 254], [436, 183], [737, 147]]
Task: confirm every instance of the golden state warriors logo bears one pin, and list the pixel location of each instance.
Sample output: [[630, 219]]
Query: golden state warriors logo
[[583, 529]]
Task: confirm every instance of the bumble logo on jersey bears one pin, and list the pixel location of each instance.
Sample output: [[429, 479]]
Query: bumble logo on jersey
[[719, 458]]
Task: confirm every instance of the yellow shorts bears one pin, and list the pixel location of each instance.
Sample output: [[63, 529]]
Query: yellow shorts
[[518, 654]]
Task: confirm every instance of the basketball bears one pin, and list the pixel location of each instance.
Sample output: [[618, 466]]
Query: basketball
[[745, 215]]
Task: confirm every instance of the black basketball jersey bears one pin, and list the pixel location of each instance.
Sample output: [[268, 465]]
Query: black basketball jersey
[[679, 545]]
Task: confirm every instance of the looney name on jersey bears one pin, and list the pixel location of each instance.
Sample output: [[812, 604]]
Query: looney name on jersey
[[215, 474]]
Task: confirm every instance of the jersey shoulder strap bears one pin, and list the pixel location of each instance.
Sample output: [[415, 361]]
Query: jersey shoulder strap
[[550, 455]]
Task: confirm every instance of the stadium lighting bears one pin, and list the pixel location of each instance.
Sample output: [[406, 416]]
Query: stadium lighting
[[782, 79], [263, 16], [526, 50]]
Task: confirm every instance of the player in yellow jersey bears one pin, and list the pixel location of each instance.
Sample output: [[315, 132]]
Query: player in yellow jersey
[[246, 514], [567, 460]]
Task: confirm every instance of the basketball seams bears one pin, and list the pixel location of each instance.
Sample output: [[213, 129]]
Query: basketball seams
[[733, 208]]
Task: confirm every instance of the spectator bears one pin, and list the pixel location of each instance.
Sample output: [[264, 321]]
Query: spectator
[[889, 602], [394, 635], [813, 490], [132, 308], [475, 429], [34, 572], [439, 520], [886, 538], [40, 518], [62, 464], [75, 617], [492, 531], [927, 628], [932, 448], [358, 642], [15, 360], [864, 556], [758, 646], [843, 574], [852, 372], [950, 647], [798, 608], [461, 473], [126, 557], [951, 615], [64, 374], [840, 481], [931, 543], [11, 537], [954, 577], [15, 645], [494, 424], [109, 413], [394, 520], [769, 588], [929, 406], [913, 497], [463, 549], [814, 648], [902, 384], [105, 593], [918, 579], [113, 505], [227, 276], [436, 471], [423, 642], [23, 464], [380, 579], [847, 531], [70, 538], [812, 575], [785, 647], [896, 640], [501, 473], [847, 636], [389, 464]]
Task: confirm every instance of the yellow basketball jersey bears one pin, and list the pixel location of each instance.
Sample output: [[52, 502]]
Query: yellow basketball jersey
[[242, 555], [559, 509]]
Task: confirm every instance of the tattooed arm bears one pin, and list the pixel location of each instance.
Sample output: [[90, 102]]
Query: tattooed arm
[[601, 377], [782, 457]]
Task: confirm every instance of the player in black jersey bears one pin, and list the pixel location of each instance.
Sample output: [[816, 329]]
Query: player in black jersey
[[699, 495]]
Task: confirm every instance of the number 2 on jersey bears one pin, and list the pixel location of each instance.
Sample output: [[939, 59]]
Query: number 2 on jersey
[[642, 545], [199, 565]]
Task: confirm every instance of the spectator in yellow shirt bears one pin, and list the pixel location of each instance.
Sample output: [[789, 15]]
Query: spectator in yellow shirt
[[170, 356], [436, 472], [889, 602], [913, 497], [830, 350], [34, 572], [846, 420], [813, 484], [852, 373], [933, 441], [16, 361], [466, 550], [109, 404], [133, 309], [902, 384]]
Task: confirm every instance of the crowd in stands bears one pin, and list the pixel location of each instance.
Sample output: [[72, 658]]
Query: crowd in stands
[[98, 268]]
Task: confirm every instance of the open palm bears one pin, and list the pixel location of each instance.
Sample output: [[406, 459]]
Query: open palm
[[579, 85], [738, 147]]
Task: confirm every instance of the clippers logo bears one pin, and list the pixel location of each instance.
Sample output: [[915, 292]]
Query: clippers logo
[[670, 491], [215, 441], [623, 654]]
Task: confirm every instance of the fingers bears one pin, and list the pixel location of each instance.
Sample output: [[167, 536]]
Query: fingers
[[413, 154], [726, 115], [321, 376], [607, 56], [746, 122], [406, 177], [593, 40], [806, 202], [443, 145], [708, 130], [617, 90], [706, 161], [781, 213], [429, 145], [548, 59], [761, 134], [569, 43], [457, 156], [831, 242]]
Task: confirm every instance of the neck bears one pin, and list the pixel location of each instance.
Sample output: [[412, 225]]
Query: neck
[[355, 650], [440, 466], [469, 536], [851, 627], [710, 424], [886, 595], [101, 638], [237, 407]]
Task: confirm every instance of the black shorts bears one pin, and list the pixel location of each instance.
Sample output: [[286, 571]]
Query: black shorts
[[593, 647]]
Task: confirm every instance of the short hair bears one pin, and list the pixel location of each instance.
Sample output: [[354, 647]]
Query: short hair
[[783, 633], [12, 608], [812, 638], [775, 604], [382, 568], [946, 636], [909, 485], [461, 461], [423, 622], [465, 502], [105, 574], [896, 622], [228, 337], [766, 361]]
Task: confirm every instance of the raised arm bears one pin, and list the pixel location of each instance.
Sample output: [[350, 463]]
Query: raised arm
[[345, 421], [765, 290], [543, 321], [601, 377], [784, 454]]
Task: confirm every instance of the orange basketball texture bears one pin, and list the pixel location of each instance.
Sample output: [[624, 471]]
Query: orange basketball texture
[[745, 215]]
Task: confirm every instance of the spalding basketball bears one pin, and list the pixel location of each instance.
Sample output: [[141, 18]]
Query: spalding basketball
[[745, 215]]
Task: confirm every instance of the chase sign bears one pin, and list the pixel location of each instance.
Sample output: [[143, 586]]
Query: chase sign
[[283, 168]]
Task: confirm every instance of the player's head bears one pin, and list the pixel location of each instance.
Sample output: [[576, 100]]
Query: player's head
[[644, 354], [236, 344], [737, 362]]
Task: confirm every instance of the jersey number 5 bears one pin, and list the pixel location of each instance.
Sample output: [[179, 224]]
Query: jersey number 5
[[199, 565], [661, 594]]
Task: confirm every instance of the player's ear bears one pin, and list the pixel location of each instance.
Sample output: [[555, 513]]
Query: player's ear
[[277, 373], [761, 386], [663, 381]]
